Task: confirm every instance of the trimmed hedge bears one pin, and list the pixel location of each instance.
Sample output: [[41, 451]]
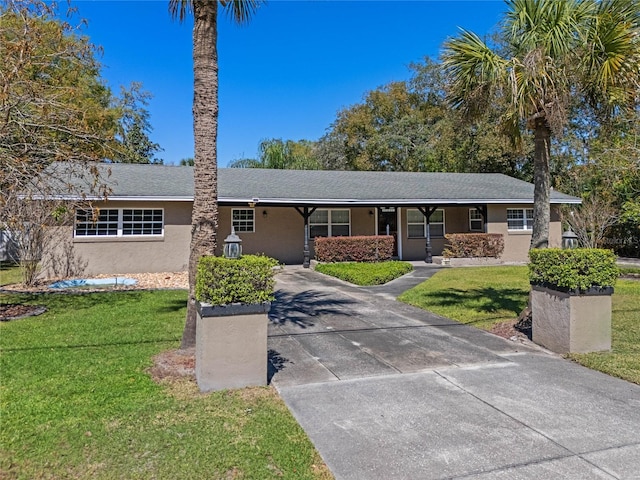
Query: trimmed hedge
[[466, 245], [575, 270], [376, 248], [223, 281]]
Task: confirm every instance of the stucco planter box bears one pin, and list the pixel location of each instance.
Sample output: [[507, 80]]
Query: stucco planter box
[[231, 346], [571, 322]]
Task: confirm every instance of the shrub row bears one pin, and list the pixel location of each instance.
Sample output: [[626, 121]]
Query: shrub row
[[223, 281], [354, 249], [573, 270], [464, 245]]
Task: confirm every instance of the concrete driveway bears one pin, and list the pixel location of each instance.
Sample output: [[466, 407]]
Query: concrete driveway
[[387, 391]]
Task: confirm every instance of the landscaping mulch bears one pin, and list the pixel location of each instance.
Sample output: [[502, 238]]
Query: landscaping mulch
[[174, 364], [15, 311], [509, 331], [145, 281]]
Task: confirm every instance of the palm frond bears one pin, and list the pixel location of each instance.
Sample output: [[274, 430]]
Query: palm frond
[[241, 11], [611, 54], [473, 69], [180, 9]]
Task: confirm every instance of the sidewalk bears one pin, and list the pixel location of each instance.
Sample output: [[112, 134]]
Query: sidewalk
[[393, 392]]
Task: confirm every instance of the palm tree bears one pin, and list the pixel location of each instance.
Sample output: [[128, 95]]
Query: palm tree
[[551, 52], [204, 217]]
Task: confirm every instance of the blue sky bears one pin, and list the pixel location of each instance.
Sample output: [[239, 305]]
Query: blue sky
[[286, 74]]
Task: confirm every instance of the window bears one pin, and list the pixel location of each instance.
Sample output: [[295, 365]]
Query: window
[[476, 221], [417, 224], [242, 219], [520, 218], [330, 223], [141, 222], [119, 222]]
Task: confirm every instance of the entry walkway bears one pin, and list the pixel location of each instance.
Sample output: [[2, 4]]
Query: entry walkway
[[388, 391]]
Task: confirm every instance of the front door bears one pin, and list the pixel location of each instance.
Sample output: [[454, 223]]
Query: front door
[[388, 225]]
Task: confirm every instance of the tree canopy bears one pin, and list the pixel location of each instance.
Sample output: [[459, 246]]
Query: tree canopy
[[549, 52], [409, 126], [53, 105], [280, 154]]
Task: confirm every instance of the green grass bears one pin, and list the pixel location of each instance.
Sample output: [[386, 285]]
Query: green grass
[[624, 359], [9, 273], [484, 296], [480, 296], [365, 274], [629, 270], [76, 400]]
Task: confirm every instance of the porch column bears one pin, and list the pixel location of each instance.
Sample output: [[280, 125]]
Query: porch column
[[306, 253], [483, 211], [427, 212]]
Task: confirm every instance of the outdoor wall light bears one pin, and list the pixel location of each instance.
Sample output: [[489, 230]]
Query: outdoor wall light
[[264, 214], [570, 239], [371, 213], [232, 245]]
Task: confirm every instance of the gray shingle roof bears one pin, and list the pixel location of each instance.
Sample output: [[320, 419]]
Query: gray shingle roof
[[327, 187]]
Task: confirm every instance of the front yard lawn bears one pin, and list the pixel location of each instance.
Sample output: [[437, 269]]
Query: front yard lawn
[[479, 296], [9, 273], [365, 274], [485, 296], [76, 400]]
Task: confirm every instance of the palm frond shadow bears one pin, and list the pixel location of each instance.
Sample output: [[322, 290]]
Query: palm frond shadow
[[301, 308], [485, 300]]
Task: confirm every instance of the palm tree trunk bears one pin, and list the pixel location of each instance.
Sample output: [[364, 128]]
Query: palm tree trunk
[[204, 217], [542, 185]]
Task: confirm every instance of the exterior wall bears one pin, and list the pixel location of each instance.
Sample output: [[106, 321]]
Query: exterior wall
[[516, 243], [279, 233], [169, 253]]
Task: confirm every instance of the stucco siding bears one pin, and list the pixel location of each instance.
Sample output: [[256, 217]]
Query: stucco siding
[[278, 233], [166, 253], [516, 243]]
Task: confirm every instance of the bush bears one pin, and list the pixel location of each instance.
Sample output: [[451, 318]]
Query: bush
[[465, 245], [222, 281], [575, 270], [376, 248]]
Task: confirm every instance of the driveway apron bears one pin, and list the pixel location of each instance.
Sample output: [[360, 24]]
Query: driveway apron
[[388, 391]]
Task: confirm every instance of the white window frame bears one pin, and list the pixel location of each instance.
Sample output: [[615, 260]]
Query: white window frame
[[527, 219], [243, 225], [424, 224], [119, 223], [330, 223], [478, 218]]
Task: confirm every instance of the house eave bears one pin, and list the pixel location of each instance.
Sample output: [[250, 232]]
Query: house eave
[[382, 201]]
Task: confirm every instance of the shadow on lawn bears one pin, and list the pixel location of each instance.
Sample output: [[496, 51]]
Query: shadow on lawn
[[487, 300], [83, 300], [300, 308]]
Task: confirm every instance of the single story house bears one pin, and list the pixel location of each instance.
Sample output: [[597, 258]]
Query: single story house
[[145, 226]]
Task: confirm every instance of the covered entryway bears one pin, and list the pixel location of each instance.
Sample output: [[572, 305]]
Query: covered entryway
[[388, 225]]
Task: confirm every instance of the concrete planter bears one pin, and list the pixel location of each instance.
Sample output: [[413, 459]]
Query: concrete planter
[[231, 346], [571, 322], [470, 261]]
